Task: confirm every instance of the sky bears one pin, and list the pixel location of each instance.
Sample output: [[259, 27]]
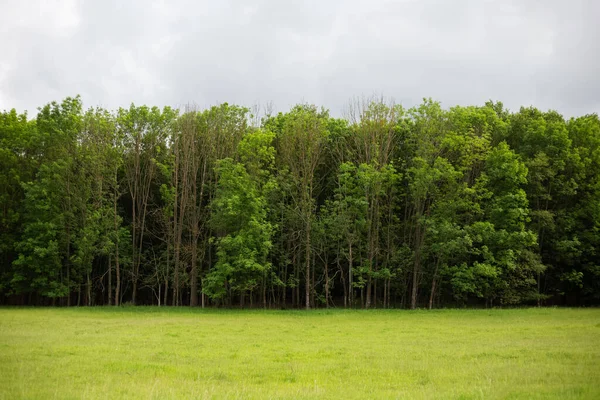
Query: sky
[[544, 53]]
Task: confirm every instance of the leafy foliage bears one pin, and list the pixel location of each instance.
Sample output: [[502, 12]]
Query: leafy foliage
[[388, 207]]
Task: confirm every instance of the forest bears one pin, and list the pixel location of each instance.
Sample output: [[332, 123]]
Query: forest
[[387, 207]]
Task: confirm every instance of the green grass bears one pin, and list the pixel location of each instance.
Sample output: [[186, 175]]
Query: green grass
[[181, 353]]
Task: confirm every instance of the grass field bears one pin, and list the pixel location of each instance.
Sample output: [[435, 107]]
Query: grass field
[[181, 353]]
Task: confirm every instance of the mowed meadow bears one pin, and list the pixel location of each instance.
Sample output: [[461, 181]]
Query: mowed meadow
[[163, 353]]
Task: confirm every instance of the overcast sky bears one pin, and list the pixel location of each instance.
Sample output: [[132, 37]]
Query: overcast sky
[[522, 52]]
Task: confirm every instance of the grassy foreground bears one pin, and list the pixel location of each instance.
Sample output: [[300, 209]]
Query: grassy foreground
[[181, 353]]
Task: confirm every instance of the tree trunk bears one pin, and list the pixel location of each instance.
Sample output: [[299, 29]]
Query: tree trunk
[[433, 283], [326, 286], [117, 266], [167, 273], [416, 266], [176, 277], [133, 238], [413, 297], [68, 286], [109, 302], [307, 255], [295, 267], [313, 285], [350, 287], [89, 290], [369, 284], [118, 276], [384, 293], [283, 287], [135, 283], [432, 293], [389, 291], [264, 291], [68, 267], [194, 275], [539, 303], [344, 283], [166, 292], [374, 293]]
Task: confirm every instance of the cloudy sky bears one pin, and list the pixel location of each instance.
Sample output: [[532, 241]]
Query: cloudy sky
[[522, 52]]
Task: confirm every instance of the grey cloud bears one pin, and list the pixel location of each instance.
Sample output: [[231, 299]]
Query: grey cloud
[[543, 53]]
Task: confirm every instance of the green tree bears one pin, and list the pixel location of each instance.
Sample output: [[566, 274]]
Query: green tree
[[51, 203], [301, 144], [240, 214], [18, 164]]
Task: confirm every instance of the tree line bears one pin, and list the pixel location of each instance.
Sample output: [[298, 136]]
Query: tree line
[[227, 206]]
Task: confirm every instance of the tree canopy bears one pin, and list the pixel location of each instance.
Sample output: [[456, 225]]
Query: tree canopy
[[387, 207]]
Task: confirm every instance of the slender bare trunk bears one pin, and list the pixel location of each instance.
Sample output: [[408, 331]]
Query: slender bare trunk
[[539, 302], [344, 283], [117, 238], [202, 294], [195, 219], [307, 255], [385, 293], [264, 292], [68, 267], [109, 302], [68, 286], [433, 281], [416, 268], [118, 275], [419, 238], [369, 277], [350, 287], [166, 293], [326, 286], [134, 241], [296, 292], [194, 276], [89, 290]]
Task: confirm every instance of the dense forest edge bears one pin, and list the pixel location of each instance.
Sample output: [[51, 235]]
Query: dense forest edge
[[387, 207]]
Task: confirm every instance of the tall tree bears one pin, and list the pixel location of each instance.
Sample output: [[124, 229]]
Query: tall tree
[[144, 130], [19, 157], [301, 145], [44, 263], [240, 212]]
